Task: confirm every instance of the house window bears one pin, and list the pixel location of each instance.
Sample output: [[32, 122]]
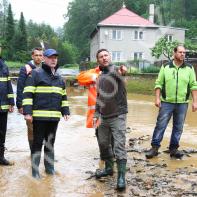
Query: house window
[[169, 37], [138, 35], [116, 56], [138, 56], [116, 34]]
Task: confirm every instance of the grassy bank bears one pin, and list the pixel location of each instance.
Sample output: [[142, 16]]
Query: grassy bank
[[14, 65], [140, 86]]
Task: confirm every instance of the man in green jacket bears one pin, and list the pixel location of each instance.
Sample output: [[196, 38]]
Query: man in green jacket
[[172, 89]]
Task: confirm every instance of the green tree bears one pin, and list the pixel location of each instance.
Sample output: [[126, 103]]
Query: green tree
[[68, 54], [3, 11], [9, 34], [21, 35], [164, 47], [20, 41], [38, 32]]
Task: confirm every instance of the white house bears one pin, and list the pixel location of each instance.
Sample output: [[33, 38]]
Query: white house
[[129, 36]]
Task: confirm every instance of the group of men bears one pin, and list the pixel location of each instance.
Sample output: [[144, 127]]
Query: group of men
[[42, 99], [108, 109]]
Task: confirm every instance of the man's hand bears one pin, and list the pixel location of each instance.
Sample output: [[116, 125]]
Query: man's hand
[[66, 117], [194, 107], [28, 118], [11, 108], [158, 102], [122, 70], [20, 110], [96, 122]]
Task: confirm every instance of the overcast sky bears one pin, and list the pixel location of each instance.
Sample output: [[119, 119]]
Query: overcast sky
[[48, 11]]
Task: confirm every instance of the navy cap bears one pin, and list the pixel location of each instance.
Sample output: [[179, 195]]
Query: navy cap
[[50, 52]]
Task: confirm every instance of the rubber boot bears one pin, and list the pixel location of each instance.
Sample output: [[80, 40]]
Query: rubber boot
[[108, 170], [35, 162], [175, 153], [3, 161], [121, 166], [153, 152], [49, 162]]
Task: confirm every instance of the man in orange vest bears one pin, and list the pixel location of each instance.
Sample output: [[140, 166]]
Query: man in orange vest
[[88, 79]]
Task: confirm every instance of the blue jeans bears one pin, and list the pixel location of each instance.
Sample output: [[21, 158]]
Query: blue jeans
[[167, 110]]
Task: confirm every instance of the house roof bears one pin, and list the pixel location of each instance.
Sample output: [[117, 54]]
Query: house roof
[[125, 17]]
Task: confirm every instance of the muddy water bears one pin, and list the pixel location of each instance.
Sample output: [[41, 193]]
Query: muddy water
[[76, 151]]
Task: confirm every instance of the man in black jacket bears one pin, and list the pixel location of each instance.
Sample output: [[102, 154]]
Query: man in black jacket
[[6, 105], [111, 108], [44, 102], [37, 58]]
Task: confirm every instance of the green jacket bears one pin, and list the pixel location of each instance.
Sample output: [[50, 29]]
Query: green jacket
[[176, 83]]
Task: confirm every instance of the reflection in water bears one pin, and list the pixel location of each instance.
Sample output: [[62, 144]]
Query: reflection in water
[[76, 150]]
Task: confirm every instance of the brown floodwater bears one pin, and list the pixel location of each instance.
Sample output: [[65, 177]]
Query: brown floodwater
[[76, 150]]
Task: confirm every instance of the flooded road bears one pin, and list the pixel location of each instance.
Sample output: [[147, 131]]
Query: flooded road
[[77, 155]]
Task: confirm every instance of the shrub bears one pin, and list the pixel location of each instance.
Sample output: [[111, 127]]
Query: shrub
[[150, 69]]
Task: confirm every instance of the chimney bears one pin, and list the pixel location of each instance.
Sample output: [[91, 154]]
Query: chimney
[[151, 13]]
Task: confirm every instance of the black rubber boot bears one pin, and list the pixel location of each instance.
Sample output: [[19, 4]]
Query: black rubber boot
[[3, 161], [49, 163], [175, 153], [35, 162], [108, 170], [153, 152], [121, 183]]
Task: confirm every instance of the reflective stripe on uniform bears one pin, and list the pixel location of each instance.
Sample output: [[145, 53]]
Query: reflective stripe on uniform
[[44, 113], [92, 107], [49, 89], [10, 95], [29, 89], [3, 78], [28, 101], [65, 104], [64, 92], [4, 106]]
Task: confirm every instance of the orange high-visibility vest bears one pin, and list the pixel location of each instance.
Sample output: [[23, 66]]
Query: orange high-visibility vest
[[87, 78]]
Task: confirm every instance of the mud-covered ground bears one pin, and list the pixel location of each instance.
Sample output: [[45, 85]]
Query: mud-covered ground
[[160, 176]]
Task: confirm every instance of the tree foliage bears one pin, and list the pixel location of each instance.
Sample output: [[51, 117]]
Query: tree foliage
[[17, 38], [9, 33], [164, 47]]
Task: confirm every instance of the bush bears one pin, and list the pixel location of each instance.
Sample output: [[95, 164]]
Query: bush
[[87, 65], [71, 66], [150, 69], [11, 64]]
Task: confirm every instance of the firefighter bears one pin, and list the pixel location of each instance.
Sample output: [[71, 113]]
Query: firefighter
[[37, 58], [6, 105], [44, 102]]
